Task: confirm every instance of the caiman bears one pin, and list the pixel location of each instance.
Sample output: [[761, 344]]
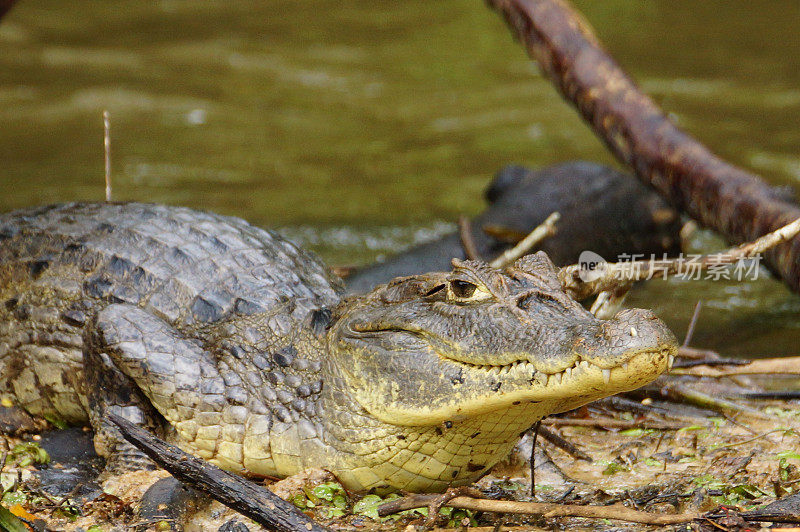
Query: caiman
[[239, 346]]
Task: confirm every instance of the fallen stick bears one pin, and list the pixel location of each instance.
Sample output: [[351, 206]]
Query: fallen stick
[[694, 353], [566, 446], [686, 394], [545, 509], [467, 242], [542, 231], [737, 203], [237, 493], [612, 423], [764, 366]]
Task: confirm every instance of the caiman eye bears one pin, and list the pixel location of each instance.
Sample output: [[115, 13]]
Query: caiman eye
[[462, 289]]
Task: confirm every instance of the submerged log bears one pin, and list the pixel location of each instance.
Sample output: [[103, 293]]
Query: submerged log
[[5, 6], [602, 210], [734, 202]]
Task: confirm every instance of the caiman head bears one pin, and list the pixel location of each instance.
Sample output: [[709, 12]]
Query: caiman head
[[504, 346]]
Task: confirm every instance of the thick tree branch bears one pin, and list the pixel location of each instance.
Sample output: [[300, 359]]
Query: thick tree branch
[[5, 6], [237, 493], [719, 195]]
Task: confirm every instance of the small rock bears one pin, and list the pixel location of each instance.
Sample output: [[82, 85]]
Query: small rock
[[233, 526]]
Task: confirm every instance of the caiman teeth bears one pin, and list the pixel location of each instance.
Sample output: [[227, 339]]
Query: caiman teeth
[[546, 379]]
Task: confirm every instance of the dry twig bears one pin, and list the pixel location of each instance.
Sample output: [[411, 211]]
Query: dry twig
[[545, 229], [611, 423], [764, 366], [563, 444], [467, 242], [685, 394], [547, 510], [619, 276], [107, 152]]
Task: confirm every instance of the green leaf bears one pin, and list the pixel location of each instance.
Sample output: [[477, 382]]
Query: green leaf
[[334, 512], [709, 481], [636, 432], [10, 522], [94, 528], [457, 518], [55, 421], [614, 467], [327, 490], [368, 506], [788, 455], [29, 452], [783, 469], [652, 462], [323, 492], [299, 500], [690, 427], [339, 501], [15, 497], [748, 491]]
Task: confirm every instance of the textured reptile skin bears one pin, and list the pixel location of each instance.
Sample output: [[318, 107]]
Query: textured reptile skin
[[237, 345], [171, 285]]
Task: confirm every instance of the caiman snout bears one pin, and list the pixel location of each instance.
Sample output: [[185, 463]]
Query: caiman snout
[[629, 349], [633, 330]]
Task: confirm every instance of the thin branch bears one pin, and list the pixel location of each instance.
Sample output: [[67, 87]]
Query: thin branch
[[534, 238], [563, 444], [610, 277], [695, 353], [467, 242], [682, 393], [532, 460], [692, 323], [764, 366], [547, 510], [611, 423], [107, 152], [681, 364]]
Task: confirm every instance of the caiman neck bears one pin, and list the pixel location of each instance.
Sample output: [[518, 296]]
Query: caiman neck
[[418, 458]]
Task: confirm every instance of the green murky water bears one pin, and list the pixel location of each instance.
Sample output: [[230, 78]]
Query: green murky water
[[362, 126]]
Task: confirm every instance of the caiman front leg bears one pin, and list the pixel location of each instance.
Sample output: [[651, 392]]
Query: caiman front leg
[[143, 369]]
